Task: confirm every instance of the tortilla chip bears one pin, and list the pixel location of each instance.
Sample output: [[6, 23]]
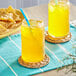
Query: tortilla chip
[[2, 29], [10, 20]]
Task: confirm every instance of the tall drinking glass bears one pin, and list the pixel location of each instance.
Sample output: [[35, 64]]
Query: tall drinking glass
[[58, 18], [33, 41]]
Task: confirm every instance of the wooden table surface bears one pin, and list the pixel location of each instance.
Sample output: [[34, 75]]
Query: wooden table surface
[[41, 12]]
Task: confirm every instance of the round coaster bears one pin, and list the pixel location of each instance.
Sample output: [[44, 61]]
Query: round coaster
[[57, 40], [42, 63]]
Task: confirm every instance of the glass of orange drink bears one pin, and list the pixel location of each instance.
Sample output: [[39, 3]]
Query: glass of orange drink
[[32, 41], [58, 18]]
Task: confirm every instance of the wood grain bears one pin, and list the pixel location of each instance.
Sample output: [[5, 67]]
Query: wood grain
[[41, 12]]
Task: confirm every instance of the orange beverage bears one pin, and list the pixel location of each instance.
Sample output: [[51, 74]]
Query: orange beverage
[[32, 41], [58, 18]]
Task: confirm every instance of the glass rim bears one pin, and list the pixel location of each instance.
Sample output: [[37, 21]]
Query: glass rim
[[33, 22]]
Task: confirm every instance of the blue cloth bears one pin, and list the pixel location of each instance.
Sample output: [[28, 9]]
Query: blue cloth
[[10, 52]]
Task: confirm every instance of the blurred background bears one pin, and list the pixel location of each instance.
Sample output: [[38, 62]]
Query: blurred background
[[25, 3]]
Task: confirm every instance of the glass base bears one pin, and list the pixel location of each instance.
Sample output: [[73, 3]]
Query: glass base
[[60, 37], [57, 39]]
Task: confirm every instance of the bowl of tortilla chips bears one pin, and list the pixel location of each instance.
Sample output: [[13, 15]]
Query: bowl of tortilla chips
[[10, 21]]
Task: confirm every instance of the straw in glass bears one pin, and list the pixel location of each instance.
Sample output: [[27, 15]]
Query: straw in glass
[[25, 16], [26, 20]]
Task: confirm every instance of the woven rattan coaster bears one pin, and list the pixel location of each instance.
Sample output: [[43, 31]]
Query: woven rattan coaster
[[42, 63], [57, 40]]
